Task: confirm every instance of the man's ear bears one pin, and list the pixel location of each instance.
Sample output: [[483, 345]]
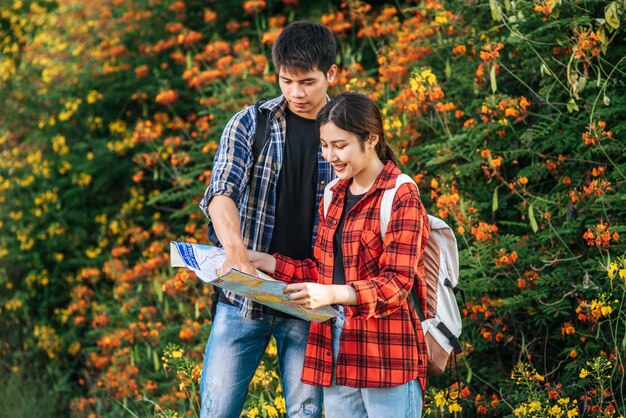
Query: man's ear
[[332, 73]]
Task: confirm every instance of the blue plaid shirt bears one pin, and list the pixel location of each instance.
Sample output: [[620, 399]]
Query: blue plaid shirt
[[257, 203]]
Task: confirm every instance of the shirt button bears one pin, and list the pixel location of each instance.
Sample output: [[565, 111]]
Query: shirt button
[[334, 221], [322, 182], [328, 353]]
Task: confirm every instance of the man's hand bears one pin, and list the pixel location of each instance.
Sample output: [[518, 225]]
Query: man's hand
[[238, 260], [310, 295], [225, 218]]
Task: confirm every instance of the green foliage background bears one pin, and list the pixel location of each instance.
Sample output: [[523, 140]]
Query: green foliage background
[[506, 113]]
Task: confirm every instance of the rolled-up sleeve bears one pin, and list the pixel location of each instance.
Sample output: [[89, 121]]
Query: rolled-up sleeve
[[231, 166], [402, 250]]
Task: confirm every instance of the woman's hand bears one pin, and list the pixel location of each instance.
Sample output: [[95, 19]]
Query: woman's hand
[[309, 295], [316, 295], [262, 261]]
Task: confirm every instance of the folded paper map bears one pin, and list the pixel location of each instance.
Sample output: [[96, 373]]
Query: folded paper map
[[204, 260]]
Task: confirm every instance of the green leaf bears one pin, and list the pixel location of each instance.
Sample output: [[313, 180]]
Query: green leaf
[[492, 77], [495, 10], [611, 16], [531, 216], [572, 106], [494, 200]]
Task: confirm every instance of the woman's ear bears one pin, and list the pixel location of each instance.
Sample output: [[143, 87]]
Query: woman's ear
[[373, 139]]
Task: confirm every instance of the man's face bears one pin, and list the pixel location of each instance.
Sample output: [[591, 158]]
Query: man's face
[[305, 91]]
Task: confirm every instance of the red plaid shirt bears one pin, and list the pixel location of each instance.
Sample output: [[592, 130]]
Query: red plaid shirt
[[382, 343]]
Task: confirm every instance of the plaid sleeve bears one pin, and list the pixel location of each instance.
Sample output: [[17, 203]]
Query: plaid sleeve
[[289, 270], [383, 294], [230, 171]]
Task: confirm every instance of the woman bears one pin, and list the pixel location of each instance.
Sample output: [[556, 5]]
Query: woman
[[373, 363]]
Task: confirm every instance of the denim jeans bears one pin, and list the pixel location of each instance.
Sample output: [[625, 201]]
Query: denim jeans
[[233, 353], [403, 401]]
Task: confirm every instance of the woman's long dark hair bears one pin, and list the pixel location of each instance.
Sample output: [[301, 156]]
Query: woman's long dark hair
[[358, 114]]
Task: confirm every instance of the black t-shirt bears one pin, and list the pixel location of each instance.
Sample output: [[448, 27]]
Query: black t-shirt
[[297, 188], [339, 275]]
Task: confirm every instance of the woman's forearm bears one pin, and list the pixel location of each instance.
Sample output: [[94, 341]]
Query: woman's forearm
[[342, 294], [262, 261]]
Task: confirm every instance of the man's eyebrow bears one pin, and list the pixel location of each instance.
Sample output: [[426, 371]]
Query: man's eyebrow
[[302, 80]]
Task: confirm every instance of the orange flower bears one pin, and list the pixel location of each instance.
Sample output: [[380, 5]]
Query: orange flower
[[544, 6], [177, 6], [484, 231], [209, 16], [142, 71], [567, 329], [167, 97], [459, 49], [491, 52], [253, 6]]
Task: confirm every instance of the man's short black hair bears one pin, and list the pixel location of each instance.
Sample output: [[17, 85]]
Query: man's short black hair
[[304, 46]]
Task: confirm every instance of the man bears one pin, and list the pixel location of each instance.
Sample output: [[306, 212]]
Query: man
[[270, 206]]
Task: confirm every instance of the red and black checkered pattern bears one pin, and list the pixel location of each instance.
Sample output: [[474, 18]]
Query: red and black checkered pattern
[[382, 343]]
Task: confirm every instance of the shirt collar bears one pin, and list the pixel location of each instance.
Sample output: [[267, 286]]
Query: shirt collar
[[385, 180]]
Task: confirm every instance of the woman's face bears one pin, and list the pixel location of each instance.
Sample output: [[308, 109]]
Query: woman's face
[[342, 149]]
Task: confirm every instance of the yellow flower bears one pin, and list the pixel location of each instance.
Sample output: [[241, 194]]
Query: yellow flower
[[440, 399], [454, 407], [612, 269], [117, 127], [74, 348], [428, 76], [271, 410], [534, 406], [83, 179], [583, 373], [279, 403], [59, 145], [13, 304], [92, 252], [93, 96], [555, 411], [271, 348]]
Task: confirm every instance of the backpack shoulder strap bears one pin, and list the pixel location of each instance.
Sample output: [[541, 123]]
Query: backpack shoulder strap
[[328, 195], [386, 204], [261, 134], [447, 242]]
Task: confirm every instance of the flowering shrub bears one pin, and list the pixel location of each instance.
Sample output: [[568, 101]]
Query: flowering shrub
[[505, 113]]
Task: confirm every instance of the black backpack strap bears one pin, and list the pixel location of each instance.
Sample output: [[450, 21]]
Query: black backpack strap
[[261, 134], [415, 303]]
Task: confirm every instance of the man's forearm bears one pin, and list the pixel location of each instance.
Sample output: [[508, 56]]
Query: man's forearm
[[225, 220]]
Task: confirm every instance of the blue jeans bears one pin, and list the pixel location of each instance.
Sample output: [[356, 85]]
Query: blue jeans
[[403, 401], [233, 353]]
